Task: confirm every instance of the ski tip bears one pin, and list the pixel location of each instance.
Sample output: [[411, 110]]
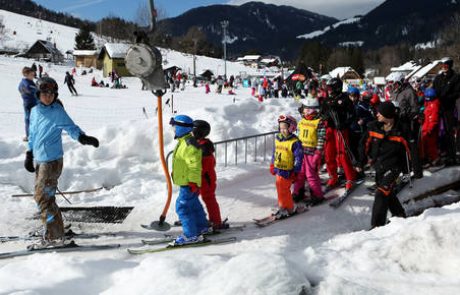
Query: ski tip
[[157, 225]]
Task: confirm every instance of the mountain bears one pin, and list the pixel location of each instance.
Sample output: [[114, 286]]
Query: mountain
[[393, 22], [265, 28]]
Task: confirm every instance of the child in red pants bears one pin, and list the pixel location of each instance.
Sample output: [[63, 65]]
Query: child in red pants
[[286, 163], [201, 129], [430, 129]]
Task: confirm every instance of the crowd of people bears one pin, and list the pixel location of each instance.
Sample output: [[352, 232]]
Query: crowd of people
[[412, 129], [397, 133]]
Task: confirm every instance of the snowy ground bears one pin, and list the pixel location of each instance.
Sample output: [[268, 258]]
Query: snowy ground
[[324, 251]]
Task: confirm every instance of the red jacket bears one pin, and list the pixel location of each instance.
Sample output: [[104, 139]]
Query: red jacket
[[208, 172], [431, 114]]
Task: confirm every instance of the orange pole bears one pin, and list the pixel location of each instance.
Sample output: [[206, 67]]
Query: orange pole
[[163, 159]]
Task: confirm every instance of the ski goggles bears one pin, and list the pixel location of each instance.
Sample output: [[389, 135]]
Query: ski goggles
[[173, 122]]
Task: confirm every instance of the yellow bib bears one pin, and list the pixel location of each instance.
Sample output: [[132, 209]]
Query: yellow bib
[[284, 157], [307, 132]]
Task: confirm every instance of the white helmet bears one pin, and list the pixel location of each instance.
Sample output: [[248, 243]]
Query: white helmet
[[310, 103]]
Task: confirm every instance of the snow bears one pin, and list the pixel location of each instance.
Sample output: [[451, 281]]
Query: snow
[[323, 251], [317, 33], [28, 30], [408, 66], [84, 52], [424, 70], [117, 50]]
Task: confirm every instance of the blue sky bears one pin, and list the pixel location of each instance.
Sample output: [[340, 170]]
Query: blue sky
[[97, 9]]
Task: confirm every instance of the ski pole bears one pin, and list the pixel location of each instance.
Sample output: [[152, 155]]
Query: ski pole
[[62, 194], [408, 169], [347, 148]]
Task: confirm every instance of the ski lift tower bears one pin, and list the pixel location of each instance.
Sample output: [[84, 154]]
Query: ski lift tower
[[144, 61]]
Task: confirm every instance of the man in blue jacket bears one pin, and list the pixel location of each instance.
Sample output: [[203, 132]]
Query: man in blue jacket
[[28, 90], [47, 120]]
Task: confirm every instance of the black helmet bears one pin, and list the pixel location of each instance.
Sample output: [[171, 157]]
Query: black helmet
[[448, 61], [47, 84], [201, 129], [336, 85]]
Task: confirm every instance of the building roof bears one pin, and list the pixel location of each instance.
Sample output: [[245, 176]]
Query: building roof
[[407, 67], [268, 60], [84, 52], [249, 57], [426, 69], [48, 46], [341, 71], [117, 50]]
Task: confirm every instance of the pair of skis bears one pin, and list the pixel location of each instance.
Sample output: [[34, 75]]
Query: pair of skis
[[344, 196], [207, 241], [69, 247]]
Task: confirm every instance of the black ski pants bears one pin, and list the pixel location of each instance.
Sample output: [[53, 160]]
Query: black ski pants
[[385, 198], [411, 130]]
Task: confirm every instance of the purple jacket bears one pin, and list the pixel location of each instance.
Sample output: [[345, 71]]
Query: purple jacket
[[297, 149]]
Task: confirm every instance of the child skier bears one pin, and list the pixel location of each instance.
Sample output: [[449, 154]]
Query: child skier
[[47, 120], [337, 111], [430, 128], [201, 129], [186, 173], [312, 134], [28, 90], [286, 163]]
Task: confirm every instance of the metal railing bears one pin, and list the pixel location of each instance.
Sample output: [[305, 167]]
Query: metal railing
[[257, 148]]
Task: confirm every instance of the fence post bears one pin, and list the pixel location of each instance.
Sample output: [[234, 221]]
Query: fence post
[[236, 152], [246, 151], [255, 150], [225, 154]]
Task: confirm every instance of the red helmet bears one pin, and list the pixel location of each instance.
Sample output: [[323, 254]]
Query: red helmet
[[290, 120]]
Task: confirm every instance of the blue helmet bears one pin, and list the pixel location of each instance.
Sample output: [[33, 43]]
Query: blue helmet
[[183, 123], [353, 90], [430, 93]]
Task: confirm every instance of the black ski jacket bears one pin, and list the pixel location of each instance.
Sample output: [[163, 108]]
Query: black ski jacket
[[338, 111], [447, 88], [386, 150]]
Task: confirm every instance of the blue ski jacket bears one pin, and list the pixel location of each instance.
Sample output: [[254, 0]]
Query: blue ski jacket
[[28, 91], [45, 131]]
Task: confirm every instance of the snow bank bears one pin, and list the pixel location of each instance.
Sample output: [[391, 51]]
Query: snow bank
[[256, 273], [409, 256]]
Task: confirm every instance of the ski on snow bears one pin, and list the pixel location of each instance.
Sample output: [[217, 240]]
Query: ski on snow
[[339, 200], [273, 219], [68, 234], [70, 247], [204, 243]]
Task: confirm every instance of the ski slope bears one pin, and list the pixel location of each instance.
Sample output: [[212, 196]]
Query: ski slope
[[324, 251]]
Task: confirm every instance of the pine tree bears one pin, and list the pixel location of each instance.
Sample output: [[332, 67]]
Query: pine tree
[[84, 40]]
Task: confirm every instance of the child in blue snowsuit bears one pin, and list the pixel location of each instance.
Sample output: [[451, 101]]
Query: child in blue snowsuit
[[186, 173], [28, 91]]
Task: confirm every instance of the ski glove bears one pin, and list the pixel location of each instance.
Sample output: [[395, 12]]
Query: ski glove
[[29, 162], [317, 159], [194, 188], [84, 139], [272, 169], [293, 177]]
